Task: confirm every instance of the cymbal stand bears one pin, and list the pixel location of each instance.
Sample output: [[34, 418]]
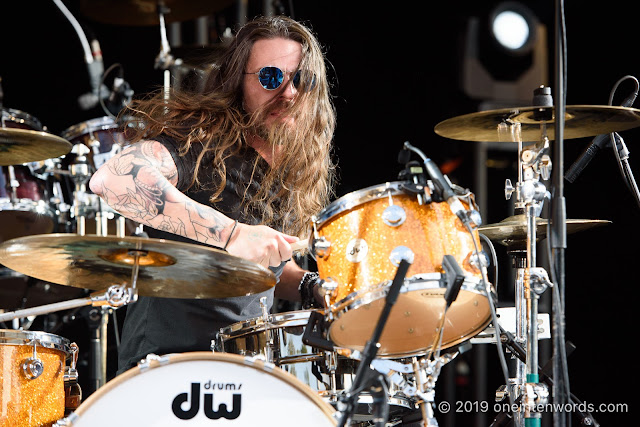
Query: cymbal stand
[[165, 61], [115, 296], [532, 281], [80, 174], [417, 378]]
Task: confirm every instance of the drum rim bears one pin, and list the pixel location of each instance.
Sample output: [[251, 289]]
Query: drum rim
[[258, 324], [175, 358], [23, 115], [46, 339], [471, 284], [357, 198], [39, 207], [88, 126]]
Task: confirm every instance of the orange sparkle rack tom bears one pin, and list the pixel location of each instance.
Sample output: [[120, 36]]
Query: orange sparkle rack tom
[[361, 239], [34, 378]]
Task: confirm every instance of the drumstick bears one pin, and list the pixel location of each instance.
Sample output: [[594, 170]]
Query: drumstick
[[299, 245]]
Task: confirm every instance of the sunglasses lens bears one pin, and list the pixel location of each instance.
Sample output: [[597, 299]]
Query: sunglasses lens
[[309, 80], [270, 77]]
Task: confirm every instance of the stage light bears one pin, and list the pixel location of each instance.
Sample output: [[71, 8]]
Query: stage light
[[505, 56], [513, 27]]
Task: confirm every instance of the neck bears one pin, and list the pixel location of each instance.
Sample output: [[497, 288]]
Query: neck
[[262, 147]]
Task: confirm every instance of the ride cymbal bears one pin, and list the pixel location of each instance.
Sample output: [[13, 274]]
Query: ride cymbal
[[167, 268], [580, 121], [18, 146], [513, 230]]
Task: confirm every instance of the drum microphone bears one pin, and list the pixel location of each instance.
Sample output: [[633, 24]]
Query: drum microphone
[[442, 184], [121, 93], [597, 143], [95, 67]]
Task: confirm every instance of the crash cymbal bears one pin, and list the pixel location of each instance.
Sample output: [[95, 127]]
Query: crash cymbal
[[18, 146], [167, 268], [513, 230], [580, 121], [145, 12]]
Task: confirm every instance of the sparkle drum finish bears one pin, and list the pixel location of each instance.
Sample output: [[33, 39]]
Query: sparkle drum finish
[[32, 395], [362, 238]]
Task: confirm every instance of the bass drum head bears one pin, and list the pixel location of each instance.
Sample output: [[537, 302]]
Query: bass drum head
[[201, 388]]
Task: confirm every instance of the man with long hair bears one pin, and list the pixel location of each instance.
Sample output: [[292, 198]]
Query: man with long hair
[[243, 166]]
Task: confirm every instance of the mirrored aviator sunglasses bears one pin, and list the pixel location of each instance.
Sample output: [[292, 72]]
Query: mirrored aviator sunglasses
[[271, 78]]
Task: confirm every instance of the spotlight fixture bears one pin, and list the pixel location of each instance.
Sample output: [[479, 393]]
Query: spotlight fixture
[[513, 27]]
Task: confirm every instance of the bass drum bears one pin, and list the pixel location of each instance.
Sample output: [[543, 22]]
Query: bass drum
[[202, 389]]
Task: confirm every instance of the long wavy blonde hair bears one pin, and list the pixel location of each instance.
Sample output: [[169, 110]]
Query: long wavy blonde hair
[[299, 183]]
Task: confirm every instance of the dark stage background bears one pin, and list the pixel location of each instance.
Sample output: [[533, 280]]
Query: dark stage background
[[396, 70]]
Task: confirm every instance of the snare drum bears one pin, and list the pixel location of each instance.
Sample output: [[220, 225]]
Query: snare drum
[[25, 208], [279, 340], [32, 378], [102, 136], [364, 236], [201, 389]]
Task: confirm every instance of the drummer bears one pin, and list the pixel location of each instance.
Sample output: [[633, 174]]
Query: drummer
[[241, 167]]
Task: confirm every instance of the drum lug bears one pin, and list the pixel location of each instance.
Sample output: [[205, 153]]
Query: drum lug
[[394, 216], [72, 390], [33, 367], [399, 253], [321, 247], [328, 291]]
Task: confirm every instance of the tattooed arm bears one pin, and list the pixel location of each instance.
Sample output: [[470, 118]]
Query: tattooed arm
[[139, 183]]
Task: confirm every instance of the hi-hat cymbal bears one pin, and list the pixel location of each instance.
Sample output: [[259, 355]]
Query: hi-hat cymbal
[[580, 121], [167, 268], [145, 12], [18, 146], [513, 230]]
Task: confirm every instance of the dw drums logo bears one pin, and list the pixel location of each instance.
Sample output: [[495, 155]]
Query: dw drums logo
[[209, 412]]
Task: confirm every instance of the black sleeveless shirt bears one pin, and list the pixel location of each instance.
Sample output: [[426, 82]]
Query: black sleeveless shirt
[[169, 325]]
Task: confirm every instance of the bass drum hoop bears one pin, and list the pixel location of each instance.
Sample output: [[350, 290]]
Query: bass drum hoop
[[176, 358]]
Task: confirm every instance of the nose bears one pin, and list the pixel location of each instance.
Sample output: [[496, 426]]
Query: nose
[[289, 90]]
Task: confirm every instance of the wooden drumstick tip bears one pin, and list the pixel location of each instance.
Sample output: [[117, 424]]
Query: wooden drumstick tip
[[300, 245]]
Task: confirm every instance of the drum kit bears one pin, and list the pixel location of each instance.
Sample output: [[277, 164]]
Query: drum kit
[[405, 287], [405, 284]]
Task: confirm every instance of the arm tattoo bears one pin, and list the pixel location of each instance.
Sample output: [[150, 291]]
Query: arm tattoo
[[148, 198]]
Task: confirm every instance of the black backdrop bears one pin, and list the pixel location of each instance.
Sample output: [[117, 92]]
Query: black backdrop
[[396, 72]]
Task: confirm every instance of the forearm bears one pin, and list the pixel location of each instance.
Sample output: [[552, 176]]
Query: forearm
[[139, 184]]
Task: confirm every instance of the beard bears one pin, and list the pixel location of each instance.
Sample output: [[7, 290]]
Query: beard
[[275, 124]]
